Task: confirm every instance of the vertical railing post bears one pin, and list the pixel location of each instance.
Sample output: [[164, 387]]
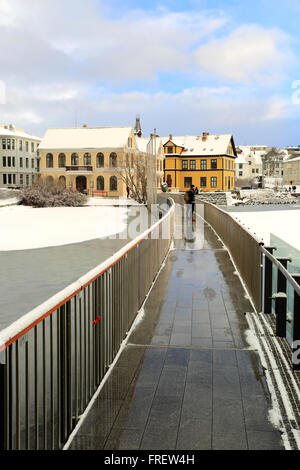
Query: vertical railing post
[[268, 281], [296, 329], [3, 419], [282, 282], [280, 312]]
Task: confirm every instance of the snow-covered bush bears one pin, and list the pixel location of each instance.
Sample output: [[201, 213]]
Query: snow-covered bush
[[45, 194]]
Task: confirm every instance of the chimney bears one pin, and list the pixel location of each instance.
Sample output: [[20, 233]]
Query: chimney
[[171, 136], [138, 129], [84, 126], [204, 136]]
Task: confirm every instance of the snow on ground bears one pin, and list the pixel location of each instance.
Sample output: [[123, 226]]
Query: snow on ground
[[9, 202], [23, 228], [283, 224]]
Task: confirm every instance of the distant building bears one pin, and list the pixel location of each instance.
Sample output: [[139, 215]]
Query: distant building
[[291, 171], [206, 161], [273, 163], [90, 159], [19, 157]]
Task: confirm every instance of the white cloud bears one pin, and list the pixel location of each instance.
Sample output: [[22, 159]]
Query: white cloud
[[248, 53]]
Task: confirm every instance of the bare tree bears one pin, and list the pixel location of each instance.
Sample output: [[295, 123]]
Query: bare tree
[[133, 173]]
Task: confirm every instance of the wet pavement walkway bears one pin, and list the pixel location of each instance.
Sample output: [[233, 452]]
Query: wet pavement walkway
[[186, 379]]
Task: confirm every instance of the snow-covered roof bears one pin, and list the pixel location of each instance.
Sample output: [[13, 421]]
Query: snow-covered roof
[[142, 143], [195, 145], [247, 154], [17, 133], [86, 138]]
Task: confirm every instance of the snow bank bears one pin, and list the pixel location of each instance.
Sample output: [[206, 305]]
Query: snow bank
[[283, 224], [23, 228]]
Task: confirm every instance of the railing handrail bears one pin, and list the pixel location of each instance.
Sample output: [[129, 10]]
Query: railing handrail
[[282, 269], [228, 214], [28, 321]]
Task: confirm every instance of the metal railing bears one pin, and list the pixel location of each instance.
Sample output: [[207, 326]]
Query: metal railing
[[53, 359], [256, 263]]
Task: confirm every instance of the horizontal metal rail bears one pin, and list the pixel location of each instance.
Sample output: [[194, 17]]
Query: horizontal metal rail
[[53, 359]]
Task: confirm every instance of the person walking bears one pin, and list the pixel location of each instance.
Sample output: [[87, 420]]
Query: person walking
[[128, 192], [190, 201]]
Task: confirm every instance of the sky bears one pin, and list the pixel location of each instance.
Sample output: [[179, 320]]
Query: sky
[[184, 67]]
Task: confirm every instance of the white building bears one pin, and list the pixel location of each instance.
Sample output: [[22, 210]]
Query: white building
[[19, 157], [249, 164]]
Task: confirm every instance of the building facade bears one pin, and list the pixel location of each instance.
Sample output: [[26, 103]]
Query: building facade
[[249, 163], [291, 172], [89, 159], [19, 157], [207, 162]]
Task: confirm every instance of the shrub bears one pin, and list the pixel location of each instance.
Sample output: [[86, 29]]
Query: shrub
[[45, 194]]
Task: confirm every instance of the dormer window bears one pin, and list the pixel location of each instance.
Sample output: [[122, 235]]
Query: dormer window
[[170, 149]]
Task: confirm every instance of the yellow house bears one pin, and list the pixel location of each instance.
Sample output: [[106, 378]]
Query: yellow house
[[207, 162], [89, 159]]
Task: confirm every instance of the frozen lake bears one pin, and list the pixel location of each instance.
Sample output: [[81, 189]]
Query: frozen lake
[[281, 221]]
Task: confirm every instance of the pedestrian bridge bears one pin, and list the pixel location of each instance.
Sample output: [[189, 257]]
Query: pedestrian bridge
[[188, 375]]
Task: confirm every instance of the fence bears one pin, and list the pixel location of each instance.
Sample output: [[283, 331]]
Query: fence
[[53, 359]]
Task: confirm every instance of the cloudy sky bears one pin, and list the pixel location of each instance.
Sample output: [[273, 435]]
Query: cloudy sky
[[185, 67]]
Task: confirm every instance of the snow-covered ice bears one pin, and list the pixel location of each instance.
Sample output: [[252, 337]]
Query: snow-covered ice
[[283, 224], [23, 228]]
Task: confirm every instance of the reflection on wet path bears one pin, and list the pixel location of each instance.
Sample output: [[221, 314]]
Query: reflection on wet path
[[186, 380]]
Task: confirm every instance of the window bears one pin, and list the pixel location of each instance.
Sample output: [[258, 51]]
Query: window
[[61, 160], [32, 163], [203, 165], [9, 179], [13, 162], [203, 182], [9, 161], [100, 160], [240, 173], [113, 183], [32, 146], [13, 144], [4, 144], [226, 181], [250, 163], [27, 180], [184, 165], [87, 159], [8, 144], [4, 161], [170, 149], [4, 179], [226, 165], [192, 164], [14, 179], [62, 181], [214, 164], [257, 170], [21, 162], [253, 170], [188, 182], [74, 159], [26, 146], [20, 145], [100, 183], [27, 163], [21, 179], [49, 161], [240, 166], [113, 160], [213, 182]]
